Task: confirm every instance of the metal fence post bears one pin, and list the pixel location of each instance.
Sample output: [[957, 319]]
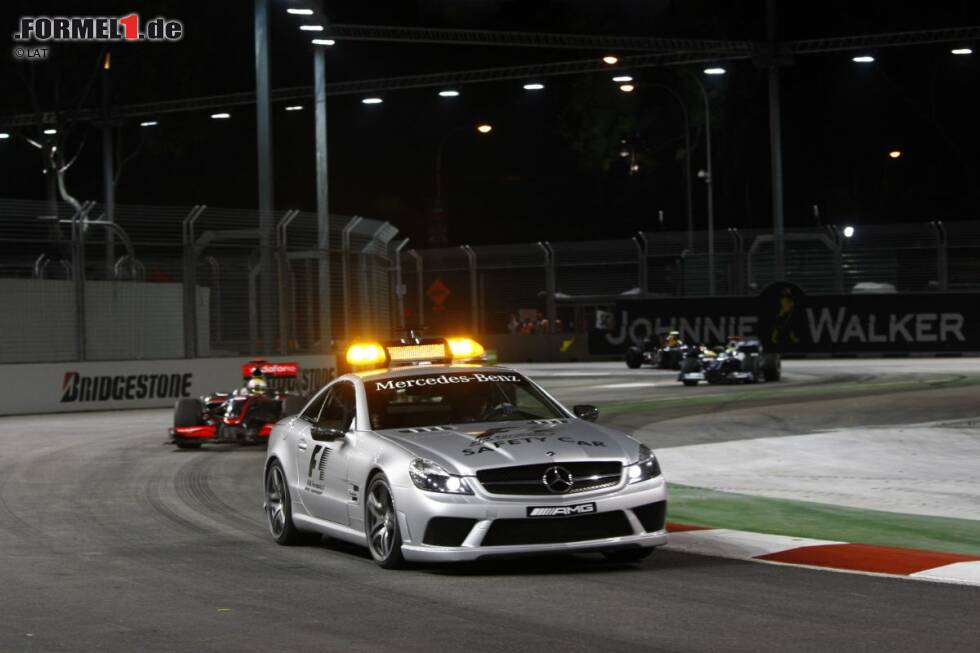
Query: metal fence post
[[190, 282], [942, 256], [642, 273], [78, 276], [345, 271], [474, 299], [738, 261], [421, 285], [285, 294], [550, 309], [838, 253], [399, 287]]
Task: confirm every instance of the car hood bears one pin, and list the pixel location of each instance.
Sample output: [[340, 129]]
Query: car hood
[[465, 449]]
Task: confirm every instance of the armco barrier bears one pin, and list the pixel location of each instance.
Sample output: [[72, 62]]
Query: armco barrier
[[69, 387]]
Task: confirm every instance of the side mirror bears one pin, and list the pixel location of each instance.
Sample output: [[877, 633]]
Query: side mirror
[[326, 434], [586, 412]]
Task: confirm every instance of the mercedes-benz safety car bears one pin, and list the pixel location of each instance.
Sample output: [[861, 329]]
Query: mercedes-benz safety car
[[419, 456], [742, 361], [665, 354], [244, 416]]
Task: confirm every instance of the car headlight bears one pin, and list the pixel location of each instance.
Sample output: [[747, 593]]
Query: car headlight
[[427, 475], [645, 469]]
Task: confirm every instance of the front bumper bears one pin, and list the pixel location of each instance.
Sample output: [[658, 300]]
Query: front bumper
[[485, 509]]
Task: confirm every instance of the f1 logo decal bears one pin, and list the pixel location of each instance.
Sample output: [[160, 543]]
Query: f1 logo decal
[[324, 453], [316, 452]]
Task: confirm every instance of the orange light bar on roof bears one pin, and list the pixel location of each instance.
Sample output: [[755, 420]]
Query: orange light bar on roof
[[465, 348], [366, 354]]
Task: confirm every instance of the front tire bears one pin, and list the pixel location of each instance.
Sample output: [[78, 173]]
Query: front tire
[[634, 358], [279, 508], [381, 524], [627, 555]]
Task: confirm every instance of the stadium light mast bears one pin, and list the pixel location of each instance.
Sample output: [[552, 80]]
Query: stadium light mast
[[263, 118], [775, 145]]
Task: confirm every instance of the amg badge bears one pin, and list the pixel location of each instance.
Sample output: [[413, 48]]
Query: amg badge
[[561, 511]]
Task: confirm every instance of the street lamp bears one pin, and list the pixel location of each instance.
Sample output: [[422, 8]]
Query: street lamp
[[706, 175], [848, 231], [894, 154], [714, 71], [627, 88], [372, 100], [622, 79], [149, 123], [482, 128], [449, 93], [534, 86], [961, 51], [323, 41], [610, 60], [864, 58], [217, 116]]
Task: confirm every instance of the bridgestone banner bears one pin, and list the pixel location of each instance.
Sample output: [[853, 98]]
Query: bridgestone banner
[[789, 321], [69, 387]]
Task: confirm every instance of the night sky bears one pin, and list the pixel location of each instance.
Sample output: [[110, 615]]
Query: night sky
[[551, 169]]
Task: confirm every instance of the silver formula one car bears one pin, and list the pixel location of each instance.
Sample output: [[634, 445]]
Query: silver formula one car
[[421, 458]]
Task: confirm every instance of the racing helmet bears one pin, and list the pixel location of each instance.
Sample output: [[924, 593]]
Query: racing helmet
[[256, 386], [673, 338]]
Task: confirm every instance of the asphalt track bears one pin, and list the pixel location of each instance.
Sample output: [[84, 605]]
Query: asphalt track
[[111, 541]]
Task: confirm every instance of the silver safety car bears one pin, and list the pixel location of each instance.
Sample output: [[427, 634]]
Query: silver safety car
[[421, 457]]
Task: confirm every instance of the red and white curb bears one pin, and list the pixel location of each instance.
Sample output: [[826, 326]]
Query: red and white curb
[[825, 554]]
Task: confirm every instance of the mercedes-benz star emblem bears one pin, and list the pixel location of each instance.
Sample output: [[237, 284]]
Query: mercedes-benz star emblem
[[558, 480]]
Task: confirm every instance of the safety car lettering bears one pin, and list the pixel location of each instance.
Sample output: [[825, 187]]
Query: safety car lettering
[[443, 379], [494, 445]]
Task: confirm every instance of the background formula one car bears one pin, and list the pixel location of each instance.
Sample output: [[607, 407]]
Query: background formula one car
[[743, 361], [666, 355], [244, 416]]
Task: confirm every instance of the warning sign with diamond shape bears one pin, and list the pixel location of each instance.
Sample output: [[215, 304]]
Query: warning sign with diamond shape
[[438, 292]]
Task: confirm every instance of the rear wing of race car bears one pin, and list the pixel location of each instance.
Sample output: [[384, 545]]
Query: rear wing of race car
[[270, 370]]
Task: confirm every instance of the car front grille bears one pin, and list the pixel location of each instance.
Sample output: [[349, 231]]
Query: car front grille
[[504, 532], [528, 479]]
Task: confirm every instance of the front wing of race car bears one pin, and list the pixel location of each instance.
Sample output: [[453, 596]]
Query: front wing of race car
[[219, 433]]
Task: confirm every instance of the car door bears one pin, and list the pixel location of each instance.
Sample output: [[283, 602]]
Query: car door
[[321, 463]]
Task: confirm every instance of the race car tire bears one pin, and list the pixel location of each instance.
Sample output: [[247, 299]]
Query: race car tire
[[690, 365], [381, 524], [634, 358], [187, 412], [292, 405], [772, 367], [627, 555], [751, 365], [279, 509], [188, 445]]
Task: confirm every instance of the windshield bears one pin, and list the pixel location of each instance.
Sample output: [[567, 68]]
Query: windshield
[[455, 398]]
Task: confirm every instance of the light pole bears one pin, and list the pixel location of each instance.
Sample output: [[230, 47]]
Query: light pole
[[706, 175], [687, 162], [437, 225]]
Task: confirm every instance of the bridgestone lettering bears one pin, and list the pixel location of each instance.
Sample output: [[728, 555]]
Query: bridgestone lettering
[[78, 388]]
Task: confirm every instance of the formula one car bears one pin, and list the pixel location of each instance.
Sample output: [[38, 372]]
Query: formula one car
[[421, 458], [244, 416], [665, 355], [742, 361]]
